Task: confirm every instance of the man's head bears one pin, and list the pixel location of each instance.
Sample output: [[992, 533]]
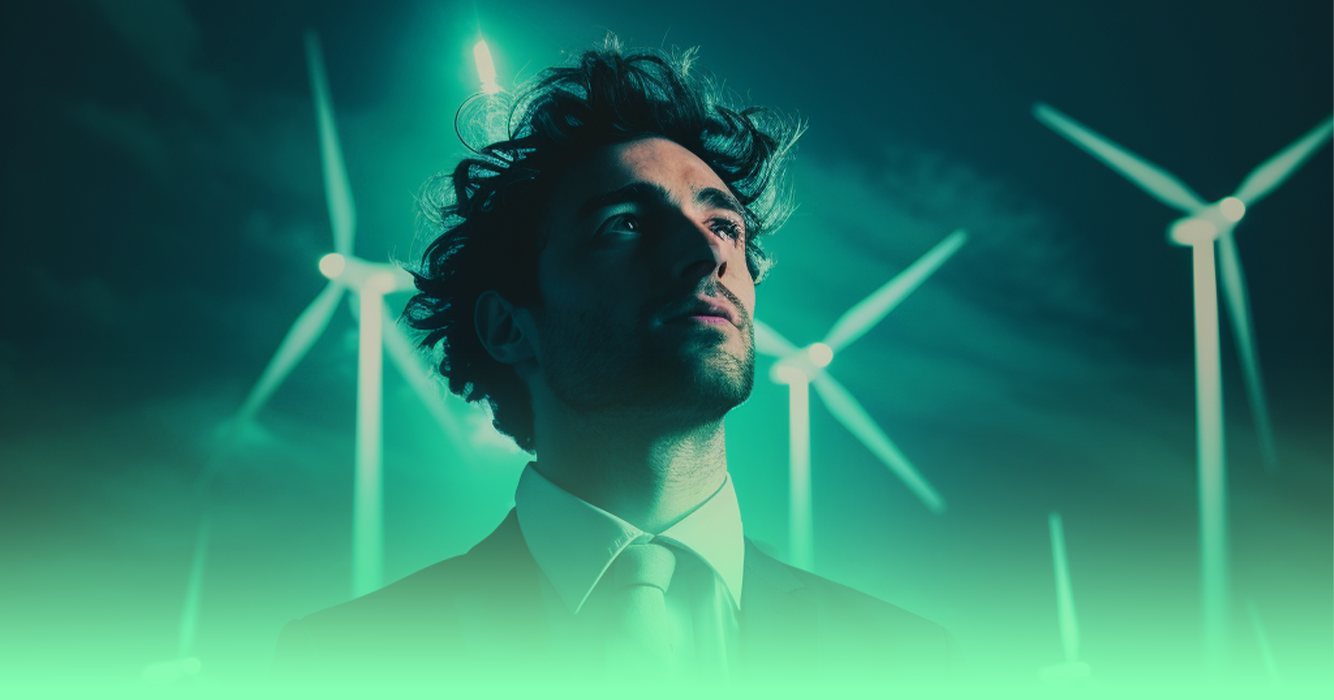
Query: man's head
[[607, 252]]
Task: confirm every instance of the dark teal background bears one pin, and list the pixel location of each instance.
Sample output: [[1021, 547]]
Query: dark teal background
[[163, 212]]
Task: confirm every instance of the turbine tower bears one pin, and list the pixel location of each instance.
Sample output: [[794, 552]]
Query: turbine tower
[[1073, 669], [1203, 225], [798, 368]]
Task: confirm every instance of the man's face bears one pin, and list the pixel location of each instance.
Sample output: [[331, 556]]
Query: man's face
[[646, 297]]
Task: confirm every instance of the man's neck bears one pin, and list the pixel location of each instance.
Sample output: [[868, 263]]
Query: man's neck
[[629, 466]]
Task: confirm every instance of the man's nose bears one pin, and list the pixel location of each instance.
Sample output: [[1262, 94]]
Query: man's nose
[[696, 252]]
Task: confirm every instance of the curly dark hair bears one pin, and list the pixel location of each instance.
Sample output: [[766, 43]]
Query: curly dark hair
[[484, 216]]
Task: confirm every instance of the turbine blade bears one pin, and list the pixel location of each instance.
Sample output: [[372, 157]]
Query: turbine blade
[[868, 312], [1274, 171], [410, 365], [851, 414], [1065, 599], [193, 587], [1239, 311], [304, 332], [769, 342], [337, 188], [1157, 182]]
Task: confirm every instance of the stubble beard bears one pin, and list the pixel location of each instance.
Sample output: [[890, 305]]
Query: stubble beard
[[597, 367]]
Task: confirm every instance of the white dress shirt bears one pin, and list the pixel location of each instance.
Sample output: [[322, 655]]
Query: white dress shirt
[[574, 542]]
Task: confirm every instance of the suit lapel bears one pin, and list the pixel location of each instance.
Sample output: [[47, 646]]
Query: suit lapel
[[778, 625]]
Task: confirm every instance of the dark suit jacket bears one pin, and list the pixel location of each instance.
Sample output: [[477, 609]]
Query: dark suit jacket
[[479, 617]]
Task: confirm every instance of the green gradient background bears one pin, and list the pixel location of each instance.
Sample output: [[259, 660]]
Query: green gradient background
[[163, 213]]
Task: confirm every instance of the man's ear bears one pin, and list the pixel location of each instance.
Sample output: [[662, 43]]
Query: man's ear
[[506, 331]]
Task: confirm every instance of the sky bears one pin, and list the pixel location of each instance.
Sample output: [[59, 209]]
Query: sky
[[164, 211]]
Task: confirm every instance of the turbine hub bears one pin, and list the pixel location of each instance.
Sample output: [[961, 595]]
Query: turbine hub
[[1232, 208], [821, 355], [332, 265]]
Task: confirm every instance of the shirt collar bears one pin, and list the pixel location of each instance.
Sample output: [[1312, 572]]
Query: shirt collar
[[574, 541]]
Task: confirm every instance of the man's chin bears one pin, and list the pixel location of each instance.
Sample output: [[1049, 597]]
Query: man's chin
[[711, 385]]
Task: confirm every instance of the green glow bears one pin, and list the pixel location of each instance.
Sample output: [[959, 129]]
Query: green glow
[[168, 672], [367, 504], [1212, 467], [1262, 641], [1065, 674], [486, 68]]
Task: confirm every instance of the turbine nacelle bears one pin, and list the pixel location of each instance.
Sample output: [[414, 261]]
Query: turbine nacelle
[[363, 276], [802, 366], [1208, 224]]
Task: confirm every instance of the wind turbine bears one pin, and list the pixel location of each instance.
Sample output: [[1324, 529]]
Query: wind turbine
[[1073, 669], [1203, 224], [798, 368], [369, 282]]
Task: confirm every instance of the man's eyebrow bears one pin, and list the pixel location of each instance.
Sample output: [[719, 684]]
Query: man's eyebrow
[[719, 199], [633, 192], [646, 191]]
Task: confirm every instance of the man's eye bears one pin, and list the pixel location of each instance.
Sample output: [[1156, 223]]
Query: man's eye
[[625, 225], [726, 227]]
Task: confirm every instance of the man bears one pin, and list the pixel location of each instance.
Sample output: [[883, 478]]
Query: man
[[594, 282]]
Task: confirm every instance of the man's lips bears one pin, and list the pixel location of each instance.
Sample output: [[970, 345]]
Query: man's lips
[[706, 308]]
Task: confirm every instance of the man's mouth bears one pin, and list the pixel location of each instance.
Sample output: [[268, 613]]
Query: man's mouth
[[709, 310]]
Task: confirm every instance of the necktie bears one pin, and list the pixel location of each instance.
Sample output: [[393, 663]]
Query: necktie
[[639, 631]]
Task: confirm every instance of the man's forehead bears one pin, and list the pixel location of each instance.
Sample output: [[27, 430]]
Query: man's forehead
[[653, 160]]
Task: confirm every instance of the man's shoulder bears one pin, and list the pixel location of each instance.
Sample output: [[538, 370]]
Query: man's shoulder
[[415, 594], [846, 600], [831, 596], [419, 615], [855, 625]]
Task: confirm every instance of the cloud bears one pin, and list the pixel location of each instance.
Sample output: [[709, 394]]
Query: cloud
[[1014, 331], [87, 298], [166, 37], [894, 201], [130, 131]]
